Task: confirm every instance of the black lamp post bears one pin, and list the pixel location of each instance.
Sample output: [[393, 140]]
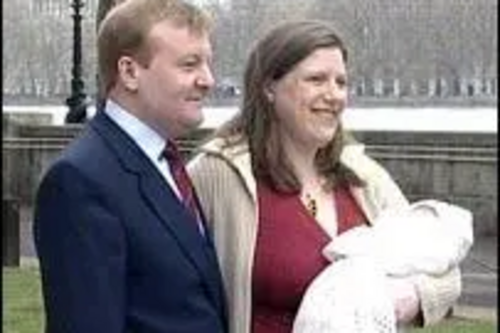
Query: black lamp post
[[77, 101]]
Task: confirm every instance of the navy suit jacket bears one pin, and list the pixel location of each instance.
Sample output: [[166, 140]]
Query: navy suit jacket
[[118, 251]]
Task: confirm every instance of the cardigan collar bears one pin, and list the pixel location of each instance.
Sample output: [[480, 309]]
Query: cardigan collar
[[238, 157]]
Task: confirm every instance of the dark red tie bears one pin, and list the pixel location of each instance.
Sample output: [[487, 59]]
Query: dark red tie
[[180, 176]]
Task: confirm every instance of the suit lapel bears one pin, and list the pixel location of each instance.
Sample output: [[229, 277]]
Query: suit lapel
[[174, 216], [161, 199], [180, 223]]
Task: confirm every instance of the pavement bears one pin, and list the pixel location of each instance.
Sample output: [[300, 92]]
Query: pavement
[[479, 271], [480, 281]]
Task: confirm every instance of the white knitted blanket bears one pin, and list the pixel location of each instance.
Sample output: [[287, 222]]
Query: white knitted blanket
[[351, 295]]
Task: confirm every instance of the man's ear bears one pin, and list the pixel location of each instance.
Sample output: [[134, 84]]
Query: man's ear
[[128, 73]]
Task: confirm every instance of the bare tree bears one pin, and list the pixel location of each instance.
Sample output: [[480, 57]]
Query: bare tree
[[445, 47]]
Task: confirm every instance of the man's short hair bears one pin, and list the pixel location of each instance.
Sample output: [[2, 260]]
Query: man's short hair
[[124, 30]]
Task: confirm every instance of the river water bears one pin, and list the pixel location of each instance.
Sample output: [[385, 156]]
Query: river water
[[441, 119]]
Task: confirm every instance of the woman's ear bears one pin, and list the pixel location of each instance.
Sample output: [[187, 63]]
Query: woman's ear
[[128, 73], [269, 91]]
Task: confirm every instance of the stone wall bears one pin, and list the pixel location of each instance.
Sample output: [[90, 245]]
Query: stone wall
[[457, 167], [460, 168]]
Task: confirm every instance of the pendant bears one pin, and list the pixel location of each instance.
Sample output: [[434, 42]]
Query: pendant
[[311, 205]]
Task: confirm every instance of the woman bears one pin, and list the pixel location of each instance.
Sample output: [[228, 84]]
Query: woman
[[282, 179]]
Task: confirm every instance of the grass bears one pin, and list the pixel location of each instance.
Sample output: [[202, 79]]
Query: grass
[[455, 325], [21, 300], [23, 309]]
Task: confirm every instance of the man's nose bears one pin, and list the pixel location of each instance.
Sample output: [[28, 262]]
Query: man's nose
[[206, 78]]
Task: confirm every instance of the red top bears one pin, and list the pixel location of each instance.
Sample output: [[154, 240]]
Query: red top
[[288, 254]]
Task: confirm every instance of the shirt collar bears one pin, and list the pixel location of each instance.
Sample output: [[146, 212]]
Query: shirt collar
[[147, 138]]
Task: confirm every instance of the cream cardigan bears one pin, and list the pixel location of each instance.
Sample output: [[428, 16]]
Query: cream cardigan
[[227, 190]]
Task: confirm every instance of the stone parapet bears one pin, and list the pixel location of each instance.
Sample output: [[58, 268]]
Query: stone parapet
[[456, 167]]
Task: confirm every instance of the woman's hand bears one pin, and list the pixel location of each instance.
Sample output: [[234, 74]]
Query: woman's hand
[[405, 299]]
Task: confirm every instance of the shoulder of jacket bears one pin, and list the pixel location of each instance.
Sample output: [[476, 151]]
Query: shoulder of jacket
[[216, 151], [228, 163], [354, 156]]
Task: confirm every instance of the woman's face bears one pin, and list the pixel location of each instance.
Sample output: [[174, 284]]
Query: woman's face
[[309, 99]]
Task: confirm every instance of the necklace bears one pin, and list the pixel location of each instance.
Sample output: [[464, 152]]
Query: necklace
[[311, 205]]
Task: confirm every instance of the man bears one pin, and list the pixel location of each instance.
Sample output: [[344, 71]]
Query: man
[[121, 246]]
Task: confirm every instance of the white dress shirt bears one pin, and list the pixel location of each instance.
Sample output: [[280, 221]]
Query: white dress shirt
[[148, 140]]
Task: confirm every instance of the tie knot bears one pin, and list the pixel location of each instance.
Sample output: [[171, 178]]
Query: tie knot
[[172, 153]]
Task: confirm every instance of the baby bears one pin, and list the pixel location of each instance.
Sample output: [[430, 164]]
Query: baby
[[352, 295]]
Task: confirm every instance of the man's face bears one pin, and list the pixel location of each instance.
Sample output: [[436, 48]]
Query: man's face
[[171, 88]]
